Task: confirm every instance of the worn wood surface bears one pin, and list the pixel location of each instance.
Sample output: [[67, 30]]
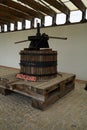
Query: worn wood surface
[[42, 63], [68, 113], [43, 93]]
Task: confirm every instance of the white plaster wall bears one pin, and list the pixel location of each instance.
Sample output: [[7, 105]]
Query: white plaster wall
[[72, 53]]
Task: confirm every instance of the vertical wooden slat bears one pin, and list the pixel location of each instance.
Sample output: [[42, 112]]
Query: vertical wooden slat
[[23, 24], [32, 23], [54, 20], [33, 63], [2, 28], [42, 21], [84, 16], [68, 18], [15, 26], [8, 27]]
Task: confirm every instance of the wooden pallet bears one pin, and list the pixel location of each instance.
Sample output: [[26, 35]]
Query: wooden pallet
[[43, 93]]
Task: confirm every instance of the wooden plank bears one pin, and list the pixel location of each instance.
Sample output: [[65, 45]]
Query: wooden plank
[[39, 7], [20, 7], [9, 17], [42, 94], [2, 21], [23, 89], [4, 91], [6, 20], [39, 65], [51, 99], [79, 4], [58, 5], [7, 71], [54, 81], [14, 12], [38, 85]]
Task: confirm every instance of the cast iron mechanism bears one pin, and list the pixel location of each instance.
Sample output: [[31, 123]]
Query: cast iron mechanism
[[40, 40]]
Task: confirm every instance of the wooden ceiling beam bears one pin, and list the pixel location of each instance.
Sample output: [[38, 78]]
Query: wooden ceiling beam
[[20, 7], [14, 12], [39, 7], [3, 21], [11, 17], [6, 21], [58, 5], [79, 4]]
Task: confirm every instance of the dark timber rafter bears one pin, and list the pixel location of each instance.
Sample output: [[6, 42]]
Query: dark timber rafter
[[3, 21], [7, 20], [79, 4], [58, 5], [7, 16], [14, 12], [21, 8], [39, 7]]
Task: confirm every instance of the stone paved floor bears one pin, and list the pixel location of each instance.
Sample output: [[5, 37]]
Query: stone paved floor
[[68, 113]]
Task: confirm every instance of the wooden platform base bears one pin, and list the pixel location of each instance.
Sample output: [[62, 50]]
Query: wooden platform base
[[42, 94], [4, 91]]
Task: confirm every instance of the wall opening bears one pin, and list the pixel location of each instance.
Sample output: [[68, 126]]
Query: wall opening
[[12, 27], [5, 28], [36, 20], [75, 16], [60, 19], [27, 24], [48, 21], [19, 27], [86, 13], [0, 28]]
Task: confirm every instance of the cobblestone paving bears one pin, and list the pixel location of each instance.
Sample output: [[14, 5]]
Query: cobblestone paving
[[68, 113]]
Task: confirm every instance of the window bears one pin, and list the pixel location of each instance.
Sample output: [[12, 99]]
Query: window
[[48, 21], [27, 24], [12, 27], [75, 16], [86, 13], [60, 18], [36, 20], [5, 28], [0, 28], [19, 25]]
